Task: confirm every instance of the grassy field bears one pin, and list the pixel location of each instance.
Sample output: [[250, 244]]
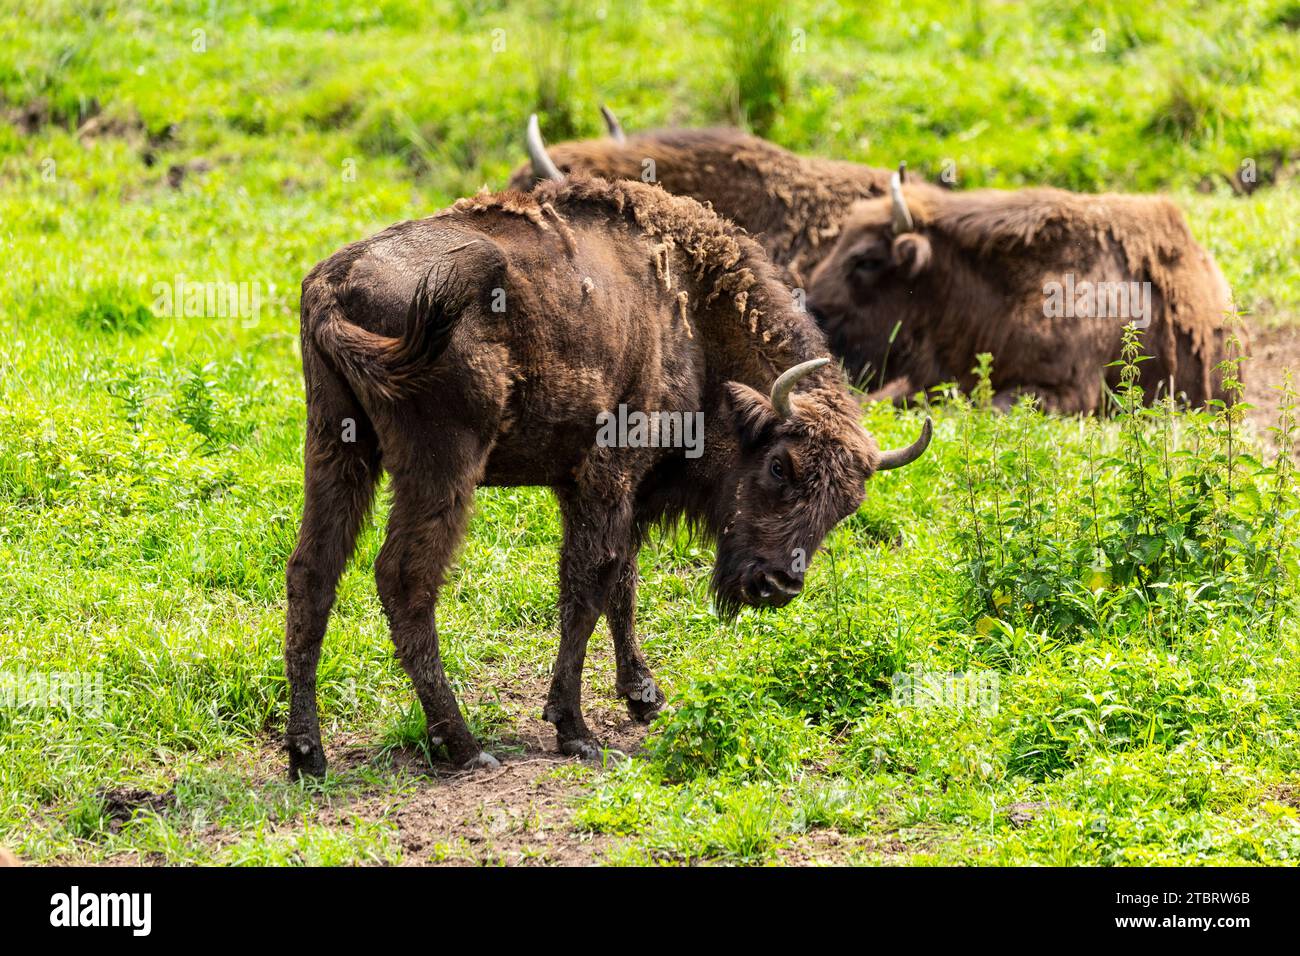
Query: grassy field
[[1129, 584]]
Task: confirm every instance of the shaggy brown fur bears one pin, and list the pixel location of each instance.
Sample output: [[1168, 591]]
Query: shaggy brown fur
[[478, 347], [972, 277], [793, 205]]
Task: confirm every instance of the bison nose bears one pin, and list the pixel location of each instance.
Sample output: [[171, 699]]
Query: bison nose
[[775, 588], [791, 582]]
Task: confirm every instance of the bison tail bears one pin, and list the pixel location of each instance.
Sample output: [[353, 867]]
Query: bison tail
[[391, 368]]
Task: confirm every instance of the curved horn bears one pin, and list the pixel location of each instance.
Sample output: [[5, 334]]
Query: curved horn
[[902, 215], [898, 457], [543, 168], [784, 385], [612, 124]]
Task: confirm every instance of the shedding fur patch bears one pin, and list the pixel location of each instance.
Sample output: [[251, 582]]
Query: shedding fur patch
[[515, 204], [570, 243], [683, 300], [727, 264], [663, 265]]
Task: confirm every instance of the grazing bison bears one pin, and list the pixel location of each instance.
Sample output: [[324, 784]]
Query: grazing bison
[[922, 281], [792, 204], [483, 345]]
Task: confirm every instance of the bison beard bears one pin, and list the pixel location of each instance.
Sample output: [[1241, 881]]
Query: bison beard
[[478, 347]]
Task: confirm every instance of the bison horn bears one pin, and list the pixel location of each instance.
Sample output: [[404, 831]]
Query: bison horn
[[784, 385], [543, 168], [612, 124], [902, 216], [898, 457]]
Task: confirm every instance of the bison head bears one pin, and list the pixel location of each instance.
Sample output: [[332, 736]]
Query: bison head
[[801, 461], [869, 279]]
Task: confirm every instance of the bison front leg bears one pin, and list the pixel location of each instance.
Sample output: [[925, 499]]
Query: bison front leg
[[635, 683], [598, 542]]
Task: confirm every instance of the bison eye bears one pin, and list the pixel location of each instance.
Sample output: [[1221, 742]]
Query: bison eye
[[868, 264], [778, 470]]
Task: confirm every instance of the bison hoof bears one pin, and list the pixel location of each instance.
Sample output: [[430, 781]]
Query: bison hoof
[[483, 761], [644, 701], [583, 747], [306, 759], [591, 751]]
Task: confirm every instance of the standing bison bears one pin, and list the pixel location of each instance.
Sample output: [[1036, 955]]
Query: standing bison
[[482, 345], [921, 282], [793, 205]]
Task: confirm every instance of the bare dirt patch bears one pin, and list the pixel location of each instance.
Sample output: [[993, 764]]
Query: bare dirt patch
[[29, 118], [104, 126], [830, 847], [1021, 815], [1286, 794], [521, 813], [121, 803], [1272, 351], [518, 814]]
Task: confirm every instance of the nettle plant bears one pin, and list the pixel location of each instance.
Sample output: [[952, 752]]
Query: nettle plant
[[1174, 523]]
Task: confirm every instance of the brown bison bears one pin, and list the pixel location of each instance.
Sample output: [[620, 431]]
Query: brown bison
[[484, 346], [793, 205], [921, 282]]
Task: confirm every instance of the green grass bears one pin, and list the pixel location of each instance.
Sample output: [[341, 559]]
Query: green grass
[[150, 461]]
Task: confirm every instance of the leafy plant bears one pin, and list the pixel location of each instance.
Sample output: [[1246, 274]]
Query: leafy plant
[[727, 725]]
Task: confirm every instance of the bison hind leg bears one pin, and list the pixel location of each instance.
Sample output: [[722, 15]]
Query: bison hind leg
[[432, 495], [342, 469]]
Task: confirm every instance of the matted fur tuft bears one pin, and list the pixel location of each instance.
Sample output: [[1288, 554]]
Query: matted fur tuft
[[791, 204]]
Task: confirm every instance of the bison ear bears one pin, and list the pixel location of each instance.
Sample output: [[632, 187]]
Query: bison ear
[[912, 253], [752, 414]]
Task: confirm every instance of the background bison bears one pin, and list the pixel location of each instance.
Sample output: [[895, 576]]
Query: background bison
[[921, 282]]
